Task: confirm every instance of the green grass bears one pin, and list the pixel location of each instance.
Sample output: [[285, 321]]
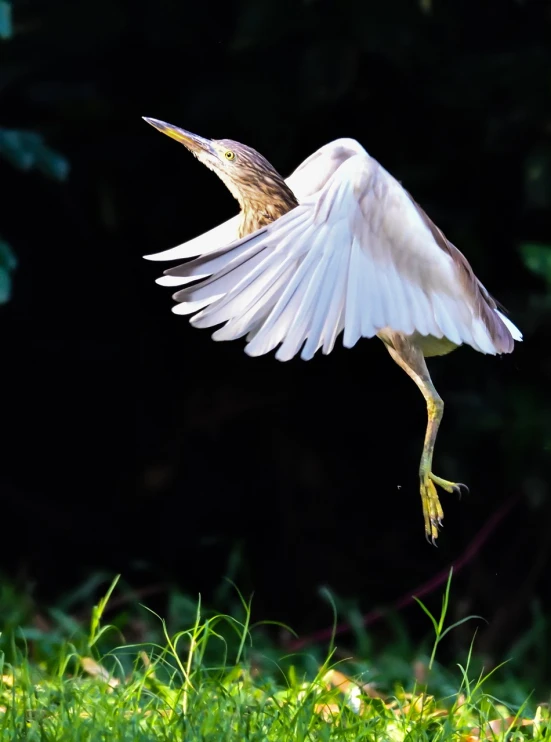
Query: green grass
[[222, 678]]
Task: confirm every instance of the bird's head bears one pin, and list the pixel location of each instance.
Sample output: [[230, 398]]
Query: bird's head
[[247, 174]]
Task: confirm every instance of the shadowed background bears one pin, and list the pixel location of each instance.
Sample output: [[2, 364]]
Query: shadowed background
[[134, 443]]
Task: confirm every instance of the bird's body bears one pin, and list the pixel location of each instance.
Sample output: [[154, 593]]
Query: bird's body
[[339, 246]]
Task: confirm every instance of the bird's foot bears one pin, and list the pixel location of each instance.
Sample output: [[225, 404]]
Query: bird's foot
[[452, 487], [432, 510]]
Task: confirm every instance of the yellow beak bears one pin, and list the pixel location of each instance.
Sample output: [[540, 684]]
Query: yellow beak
[[193, 142]]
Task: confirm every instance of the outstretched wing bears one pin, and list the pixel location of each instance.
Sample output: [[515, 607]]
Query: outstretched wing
[[308, 178], [202, 245], [357, 255]]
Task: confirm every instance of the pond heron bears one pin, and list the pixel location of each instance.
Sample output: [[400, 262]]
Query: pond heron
[[338, 246]]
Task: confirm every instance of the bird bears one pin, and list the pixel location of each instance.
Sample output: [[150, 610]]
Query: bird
[[338, 246]]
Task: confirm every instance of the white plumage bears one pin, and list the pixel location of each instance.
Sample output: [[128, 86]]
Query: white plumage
[[355, 255], [344, 249]]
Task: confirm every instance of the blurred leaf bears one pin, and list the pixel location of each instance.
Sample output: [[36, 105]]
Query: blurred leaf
[[8, 263], [537, 258], [26, 149], [5, 286], [537, 178], [94, 669], [53, 164], [6, 28], [7, 258]]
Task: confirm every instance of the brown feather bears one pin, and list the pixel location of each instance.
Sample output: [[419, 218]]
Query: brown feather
[[262, 193], [482, 301]]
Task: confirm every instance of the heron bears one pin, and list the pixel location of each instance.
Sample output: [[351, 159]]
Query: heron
[[338, 246]]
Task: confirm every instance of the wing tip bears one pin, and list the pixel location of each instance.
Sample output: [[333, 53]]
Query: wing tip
[[512, 333]]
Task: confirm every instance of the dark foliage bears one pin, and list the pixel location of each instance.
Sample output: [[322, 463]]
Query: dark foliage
[[133, 442]]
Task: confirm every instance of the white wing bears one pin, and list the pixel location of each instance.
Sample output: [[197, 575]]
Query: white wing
[[312, 175], [356, 254], [306, 180], [203, 244]]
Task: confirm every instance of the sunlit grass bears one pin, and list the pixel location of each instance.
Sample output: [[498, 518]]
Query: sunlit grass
[[215, 681]]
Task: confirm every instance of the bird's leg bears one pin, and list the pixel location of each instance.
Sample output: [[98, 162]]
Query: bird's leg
[[411, 359]]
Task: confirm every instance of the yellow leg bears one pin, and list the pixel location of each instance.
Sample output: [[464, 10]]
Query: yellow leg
[[411, 359]]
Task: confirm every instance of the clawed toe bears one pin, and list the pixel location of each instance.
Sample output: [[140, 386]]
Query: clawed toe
[[458, 489], [432, 510], [431, 539]]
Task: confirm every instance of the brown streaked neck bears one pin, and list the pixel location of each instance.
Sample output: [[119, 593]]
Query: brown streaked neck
[[257, 212]]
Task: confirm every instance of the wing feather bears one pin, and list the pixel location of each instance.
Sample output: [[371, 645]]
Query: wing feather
[[357, 254], [204, 243], [324, 316], [239, 326]]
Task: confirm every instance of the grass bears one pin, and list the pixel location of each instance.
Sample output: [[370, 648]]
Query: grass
[[223, 679]]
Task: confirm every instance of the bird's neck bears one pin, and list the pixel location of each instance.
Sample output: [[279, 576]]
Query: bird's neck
[[258, 212]]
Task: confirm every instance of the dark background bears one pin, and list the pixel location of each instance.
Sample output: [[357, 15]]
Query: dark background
[[135, 444]]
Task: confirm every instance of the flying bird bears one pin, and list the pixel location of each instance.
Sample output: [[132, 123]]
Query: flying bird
[[338, 246]]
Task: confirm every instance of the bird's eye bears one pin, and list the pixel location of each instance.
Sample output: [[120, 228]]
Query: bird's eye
[[229, 155]]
